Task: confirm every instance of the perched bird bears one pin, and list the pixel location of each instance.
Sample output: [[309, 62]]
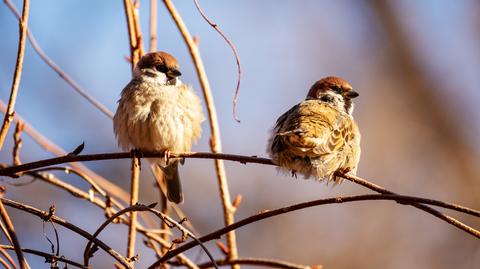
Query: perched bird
[[318, 136], [157, 112]]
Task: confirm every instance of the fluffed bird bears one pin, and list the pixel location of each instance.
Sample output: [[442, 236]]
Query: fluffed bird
[[157, 112], [318, 136]]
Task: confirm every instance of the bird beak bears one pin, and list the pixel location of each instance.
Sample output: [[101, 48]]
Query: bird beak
[[173, 73], [351, 94]]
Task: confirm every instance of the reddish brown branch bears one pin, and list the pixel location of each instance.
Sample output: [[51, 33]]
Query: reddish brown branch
[[8, 171], [11, 233], [260, 262], [234, 49], [17, 74], [425, 208], [66, 224], [270, 213]]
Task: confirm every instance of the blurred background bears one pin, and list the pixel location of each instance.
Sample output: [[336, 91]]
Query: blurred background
[[416, 65]]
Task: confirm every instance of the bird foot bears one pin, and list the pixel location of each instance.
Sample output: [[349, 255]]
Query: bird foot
[[294, 173], [167, 154], [136, 153], [344, 171]]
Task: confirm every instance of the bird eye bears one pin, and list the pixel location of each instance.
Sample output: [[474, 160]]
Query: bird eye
[[326, 98], [336, 89], [161, 68]]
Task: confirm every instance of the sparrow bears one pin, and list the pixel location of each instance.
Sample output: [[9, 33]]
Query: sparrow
[[157, 112], [318, 136]]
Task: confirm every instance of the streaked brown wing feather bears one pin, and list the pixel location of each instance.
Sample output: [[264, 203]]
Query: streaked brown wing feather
[[312, 129]]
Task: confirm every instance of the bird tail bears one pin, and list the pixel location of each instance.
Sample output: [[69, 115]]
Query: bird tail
[[174, 186]]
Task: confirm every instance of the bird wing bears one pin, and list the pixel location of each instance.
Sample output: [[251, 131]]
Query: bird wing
[[312, 129]]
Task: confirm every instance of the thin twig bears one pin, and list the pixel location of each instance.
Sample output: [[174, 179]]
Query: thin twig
[[234, 50], [49, 257], [164, 207], [23, 22], [17, 140], [270, 213], [11, 233], [215, 141], [425, 208], [140, 207], [153, 25], [48, 145], [57, 68], [4, 264], [69, 170], [43, 215], [259, 262], [134, 189], [49, 178], [7, 256], [136, 50]]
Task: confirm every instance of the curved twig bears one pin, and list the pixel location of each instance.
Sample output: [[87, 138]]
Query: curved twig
[[11, 233], [8, 257], [103, 205], [260, 262], [66, 224], [235, 52], [7, 120], [270, 213], [140, 207], [47, 256], [75, 86]]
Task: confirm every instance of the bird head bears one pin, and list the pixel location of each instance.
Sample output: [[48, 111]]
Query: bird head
[[335, 91], [160, 66]]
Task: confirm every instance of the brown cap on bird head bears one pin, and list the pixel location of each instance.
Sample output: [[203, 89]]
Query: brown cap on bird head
[[332, 83], [161, 61]]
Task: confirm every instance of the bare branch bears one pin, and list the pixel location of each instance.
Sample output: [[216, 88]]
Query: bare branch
[[48, 145], [259, 262], [48, 257], [140, 207], [270, 213], [153, 25], [11, 233], [425, 208], [134, 189], [23, 22], [8, 257], [134, 33], [8, 171], [234, 49], [57, 68], [43, 215], [17, 143]]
